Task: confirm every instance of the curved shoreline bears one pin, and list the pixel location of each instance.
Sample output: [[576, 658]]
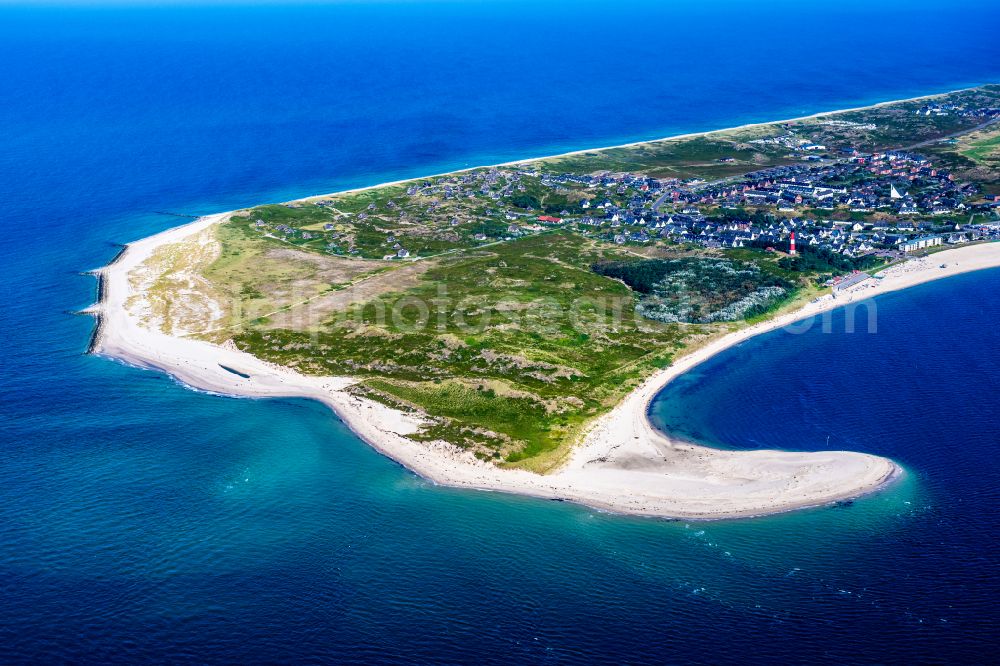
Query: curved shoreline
[[622, 465]]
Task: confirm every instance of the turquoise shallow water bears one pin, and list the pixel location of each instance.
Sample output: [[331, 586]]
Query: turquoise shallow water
[[143, 521]]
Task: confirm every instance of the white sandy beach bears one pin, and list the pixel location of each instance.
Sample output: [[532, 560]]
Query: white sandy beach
[[623, 465]]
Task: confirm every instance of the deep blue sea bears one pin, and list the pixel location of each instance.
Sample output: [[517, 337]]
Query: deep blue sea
[[141, 521]]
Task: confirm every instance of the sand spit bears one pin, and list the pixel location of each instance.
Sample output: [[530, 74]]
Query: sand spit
[[622, 465]]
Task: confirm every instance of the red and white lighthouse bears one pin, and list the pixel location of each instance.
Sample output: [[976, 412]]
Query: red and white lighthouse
[[791, 245]]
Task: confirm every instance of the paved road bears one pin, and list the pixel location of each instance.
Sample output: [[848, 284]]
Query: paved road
[[659, 202]]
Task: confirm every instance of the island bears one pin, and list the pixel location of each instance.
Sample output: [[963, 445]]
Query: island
[[506, 327]]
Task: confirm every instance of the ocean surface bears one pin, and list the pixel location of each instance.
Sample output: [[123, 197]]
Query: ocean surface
[[141, 521]]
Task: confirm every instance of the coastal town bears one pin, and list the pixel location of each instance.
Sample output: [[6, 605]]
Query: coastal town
[[500, 332], [838, 201], [511, 306], [505, 327]]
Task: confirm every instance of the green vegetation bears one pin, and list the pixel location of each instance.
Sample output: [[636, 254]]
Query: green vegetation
[[699, 290], [520, 345], [526, 201], [810, 259], [985, 149], [509, 333], [974, 157], [712, 157], [259, 276]]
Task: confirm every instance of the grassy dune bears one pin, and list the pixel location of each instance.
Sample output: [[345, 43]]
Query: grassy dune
[[503, 332], [510, 349]]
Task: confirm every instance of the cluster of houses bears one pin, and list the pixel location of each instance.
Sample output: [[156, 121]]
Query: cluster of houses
[[894, 182], [897, 201], [901, 184], [495, 183], [790, 141], [932, 109], [850, 239]]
